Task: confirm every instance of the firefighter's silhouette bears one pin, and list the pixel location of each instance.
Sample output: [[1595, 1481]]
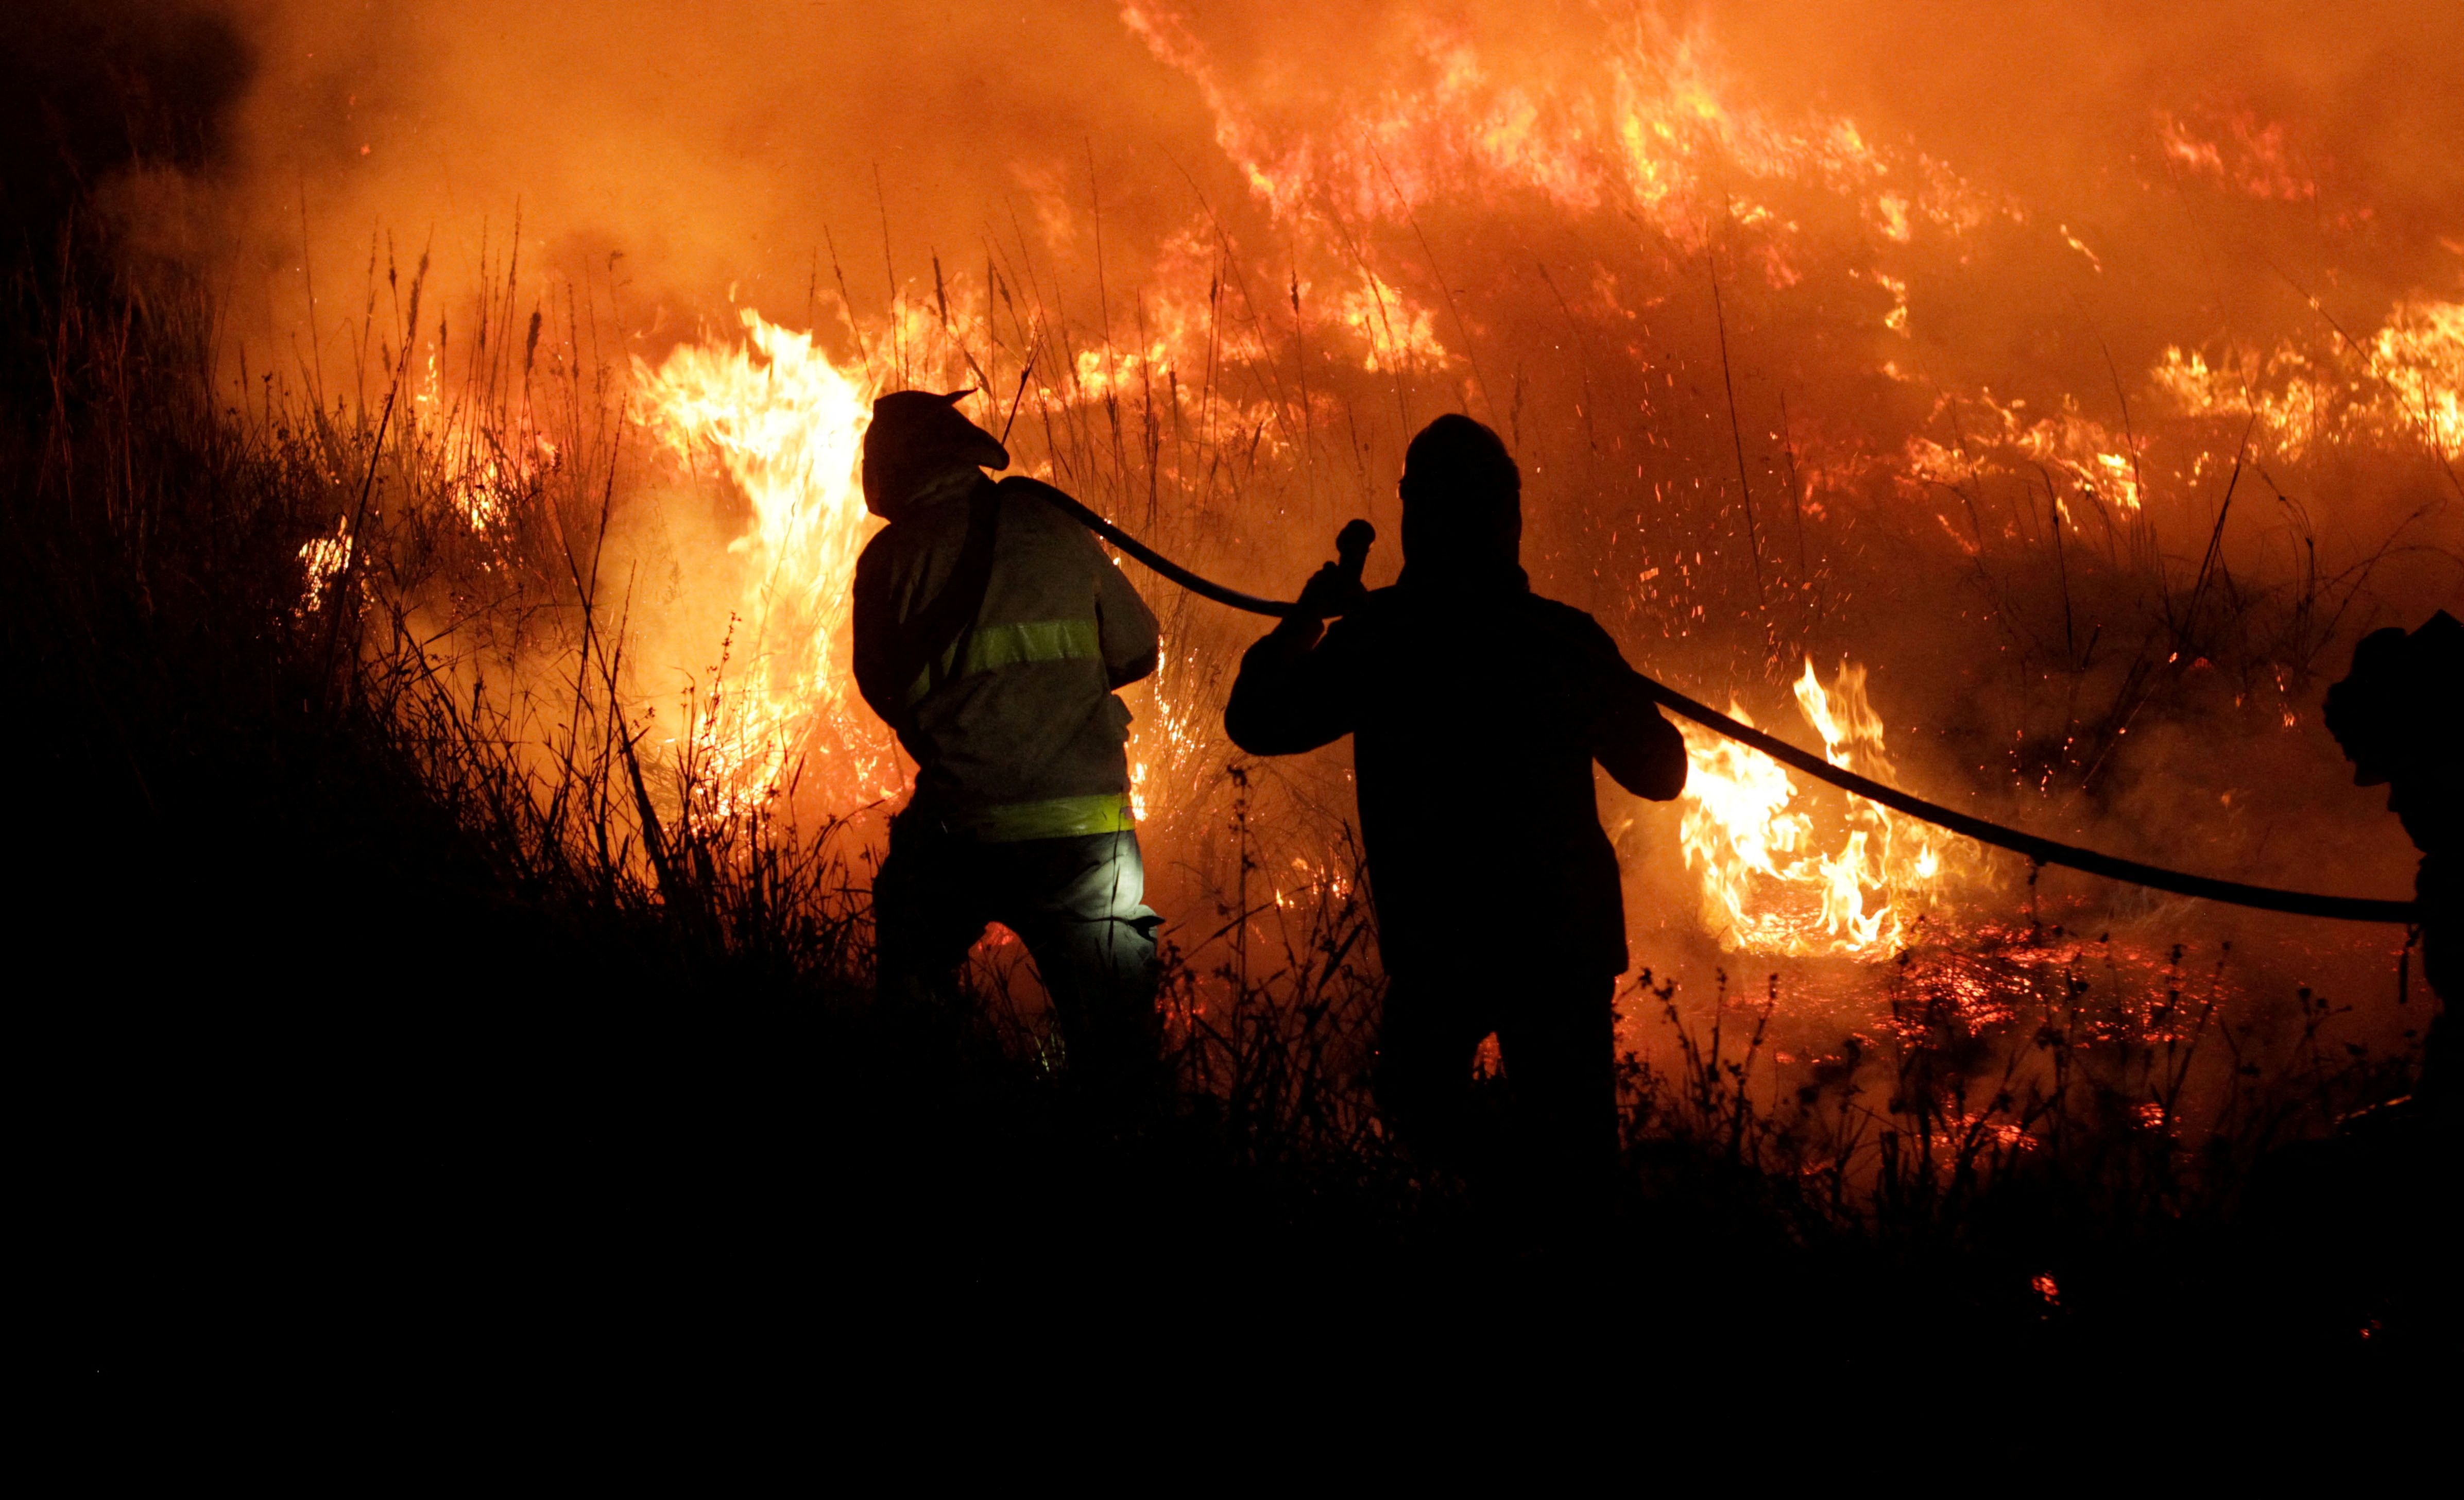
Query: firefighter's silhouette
[[1477, 709], [2349, 1236], [990, 633], [2399, 717]]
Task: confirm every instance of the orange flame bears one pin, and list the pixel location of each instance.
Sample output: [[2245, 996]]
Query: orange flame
[[1767, 888], [787, 426], [323, 557]]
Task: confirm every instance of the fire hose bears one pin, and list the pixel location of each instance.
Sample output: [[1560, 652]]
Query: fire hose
[[1353, 550]]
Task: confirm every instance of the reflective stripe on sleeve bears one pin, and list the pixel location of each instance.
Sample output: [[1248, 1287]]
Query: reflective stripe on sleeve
[[993, 646], [1055, 818]]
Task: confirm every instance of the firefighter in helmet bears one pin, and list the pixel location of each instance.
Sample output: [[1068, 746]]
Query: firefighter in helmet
[[2352, 1231], [991, 632], [2399, 717], [1476, 709]]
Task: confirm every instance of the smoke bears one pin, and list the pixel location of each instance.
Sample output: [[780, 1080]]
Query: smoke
[[86, 89], [727, 147], [90, 92], [2130, 182]]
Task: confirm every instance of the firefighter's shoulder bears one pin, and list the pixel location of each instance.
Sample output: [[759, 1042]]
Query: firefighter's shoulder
[[1020, 487], [1565, 625]]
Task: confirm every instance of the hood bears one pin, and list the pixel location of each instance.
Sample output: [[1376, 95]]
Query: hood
[[1462, 509]]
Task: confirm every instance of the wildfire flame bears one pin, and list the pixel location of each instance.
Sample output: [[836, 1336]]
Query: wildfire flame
[[787, 426], [1767, 886], [322, 558]]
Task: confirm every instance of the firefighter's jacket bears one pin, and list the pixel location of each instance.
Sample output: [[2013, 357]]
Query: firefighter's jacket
[[1476, 711], [990, 631]]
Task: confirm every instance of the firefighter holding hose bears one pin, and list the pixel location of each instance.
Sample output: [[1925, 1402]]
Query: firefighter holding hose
[[1477, 709], [991, 632]]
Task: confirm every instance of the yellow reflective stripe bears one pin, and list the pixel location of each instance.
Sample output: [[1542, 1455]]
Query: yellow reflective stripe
[[1056, 818], [993, 646]]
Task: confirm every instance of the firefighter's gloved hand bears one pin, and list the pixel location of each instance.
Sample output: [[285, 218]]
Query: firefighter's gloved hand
[[1331, 590]]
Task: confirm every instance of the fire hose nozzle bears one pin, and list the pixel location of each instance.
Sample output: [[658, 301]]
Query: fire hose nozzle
[[1352, 547]]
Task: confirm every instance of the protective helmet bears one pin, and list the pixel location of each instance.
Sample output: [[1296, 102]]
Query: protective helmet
[[2399, 704], [916, 436]]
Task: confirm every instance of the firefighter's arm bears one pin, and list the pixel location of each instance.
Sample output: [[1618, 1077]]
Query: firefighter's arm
[[1642, 749], [1293, 692], [1637, 745], [1123, 624], [876, 633]]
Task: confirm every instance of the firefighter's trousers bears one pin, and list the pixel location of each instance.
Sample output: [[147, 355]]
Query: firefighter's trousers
[[1077, 903], [1557, 1038]]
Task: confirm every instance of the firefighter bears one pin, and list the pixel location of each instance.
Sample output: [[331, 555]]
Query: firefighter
[[1476, 709], [2352, 1231], [991, 632], [2399, 717]]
